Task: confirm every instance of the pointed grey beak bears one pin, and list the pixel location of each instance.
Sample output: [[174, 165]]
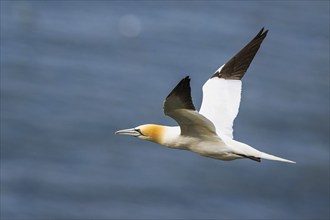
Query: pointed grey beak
[[131, 132]]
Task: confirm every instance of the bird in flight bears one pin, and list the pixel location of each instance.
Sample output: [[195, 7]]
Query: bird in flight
[[208, 132]]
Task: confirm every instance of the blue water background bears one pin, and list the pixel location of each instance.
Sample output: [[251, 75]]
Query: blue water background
[[73, 72]]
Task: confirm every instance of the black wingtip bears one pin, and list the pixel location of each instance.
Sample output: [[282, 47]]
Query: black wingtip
[[180, 96], [262, 34], [236, 67], [182, 87]]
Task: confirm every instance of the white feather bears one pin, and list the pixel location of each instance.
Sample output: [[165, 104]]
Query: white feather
[[221, 100]]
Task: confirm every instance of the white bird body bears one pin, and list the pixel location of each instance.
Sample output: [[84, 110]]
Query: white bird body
[[208, 132], [208, 145]]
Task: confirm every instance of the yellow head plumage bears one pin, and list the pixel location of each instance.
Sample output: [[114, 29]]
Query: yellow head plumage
[[150, 132]]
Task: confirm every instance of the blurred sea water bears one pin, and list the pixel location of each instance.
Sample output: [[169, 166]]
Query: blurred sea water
[[73, 72]]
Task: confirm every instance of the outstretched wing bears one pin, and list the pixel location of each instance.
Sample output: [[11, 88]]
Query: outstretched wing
[[222, 92], [179, 106]]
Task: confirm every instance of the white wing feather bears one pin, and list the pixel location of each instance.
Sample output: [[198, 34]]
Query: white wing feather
[[221, 100]]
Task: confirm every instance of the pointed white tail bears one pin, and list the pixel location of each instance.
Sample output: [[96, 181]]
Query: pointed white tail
[[272, 157]]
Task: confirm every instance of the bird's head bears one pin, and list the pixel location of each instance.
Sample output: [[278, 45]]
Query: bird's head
[[150, 132]]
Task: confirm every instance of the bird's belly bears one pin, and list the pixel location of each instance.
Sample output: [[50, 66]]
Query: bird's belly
[[215, 150], [212, 148]]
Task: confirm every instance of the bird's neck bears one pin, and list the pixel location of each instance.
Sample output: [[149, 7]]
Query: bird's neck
[[163, 135]]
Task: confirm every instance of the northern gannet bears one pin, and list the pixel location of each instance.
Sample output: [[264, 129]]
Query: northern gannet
[[208, 132]]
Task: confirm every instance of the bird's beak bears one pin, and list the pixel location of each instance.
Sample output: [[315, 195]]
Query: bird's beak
[[130, 132]]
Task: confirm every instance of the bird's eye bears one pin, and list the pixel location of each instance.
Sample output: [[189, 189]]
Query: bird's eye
[[139, 131]]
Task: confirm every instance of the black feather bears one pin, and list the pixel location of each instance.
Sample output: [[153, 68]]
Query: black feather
[[236, 67], [179, 97]]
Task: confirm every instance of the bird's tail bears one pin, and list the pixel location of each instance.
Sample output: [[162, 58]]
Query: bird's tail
[[272, 157]]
